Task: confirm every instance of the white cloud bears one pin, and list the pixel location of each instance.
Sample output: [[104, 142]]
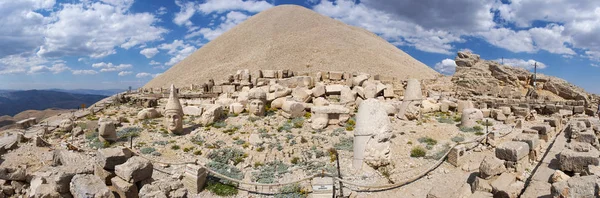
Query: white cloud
[[594, 65], [125, 73], [446, 66], [84, 72], [149, 52], [109, 67], [221, 6], [161, 11], [146, 75], [178, 50], [389, 26], [14, 64], [515, 41], [232, 19], [22, 25], [527, 64], [152, 62], [96, 29], [186, 12]]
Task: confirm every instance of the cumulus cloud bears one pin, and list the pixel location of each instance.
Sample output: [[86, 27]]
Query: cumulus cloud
[[146, 75], [389, 26], [96, 29], [178, 50], [84, 72], [125, 73], [220, 6], [527, 64], [232, 19], [152, 62], [446, 66], [22, 25], [109, 67], [149, 52], [14, 64]]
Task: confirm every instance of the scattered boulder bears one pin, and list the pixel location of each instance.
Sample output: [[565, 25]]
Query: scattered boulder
[[108, 158], [85, 186], [559, 176], [570, 160], [134, 170], [107, 130], [124, 188], [512, 151], [164, 188], [148, 113], [211, 115], [491, 166], [575, 187]]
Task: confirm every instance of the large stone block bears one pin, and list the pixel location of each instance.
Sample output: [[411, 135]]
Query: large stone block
[[86, 186], [512, 151], [134, 170], [530, 139], [491, 166], [211, 115], [570, 160], [124, 188], [110, 157], [506, 186], [575, 187]]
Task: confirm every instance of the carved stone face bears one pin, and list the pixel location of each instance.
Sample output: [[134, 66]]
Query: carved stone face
[[173, 121], [257, 107]]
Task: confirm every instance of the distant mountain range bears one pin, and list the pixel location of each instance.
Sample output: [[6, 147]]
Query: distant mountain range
[[13, 102]]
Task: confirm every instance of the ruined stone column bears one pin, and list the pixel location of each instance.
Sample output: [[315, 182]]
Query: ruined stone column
[[411, 94], [372, 125]]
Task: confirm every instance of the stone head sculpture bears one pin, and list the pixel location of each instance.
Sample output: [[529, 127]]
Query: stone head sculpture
[[470, 116], [256, 105], [174, 113]]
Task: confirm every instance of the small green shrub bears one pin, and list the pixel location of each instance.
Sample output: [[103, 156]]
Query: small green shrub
[[458, 139], [198, 152], [345, 143], [295, 160], [446, 120], [220, 189], [162, 142], [227, 155], [418, 151], [147, 150], [175, 147], [428, 141], [219, 124], [125, 133], [188, 149], [260, 149]]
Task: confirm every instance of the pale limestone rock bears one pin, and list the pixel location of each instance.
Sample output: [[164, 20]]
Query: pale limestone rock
[[429, 106], [134, 169], [462, 105], [278, 103], [320, 101], [512, 151], [292, 109], [333, 89], [559, 176], [174, 113], [66, 125], [84, 186], [359, 79], [413, 90], [301, 94], [491, 166], [236, 108], [192, 110], [370, 89], [148, 113], [371, 136], [470, 117], [570, 160], [347, 95], [107, 130], [318, 91], [212, 114], [108, 158]]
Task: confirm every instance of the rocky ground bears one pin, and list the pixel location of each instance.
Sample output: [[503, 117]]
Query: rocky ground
[[124, 146]]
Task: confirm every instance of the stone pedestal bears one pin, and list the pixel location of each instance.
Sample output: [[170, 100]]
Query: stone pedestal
[[322, 187], [455, 157], [194, 178]]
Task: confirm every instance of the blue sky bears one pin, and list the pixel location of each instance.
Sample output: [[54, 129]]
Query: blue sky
[[109, 44]]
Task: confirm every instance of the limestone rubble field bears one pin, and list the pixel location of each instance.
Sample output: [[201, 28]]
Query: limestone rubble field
[[243, 129]]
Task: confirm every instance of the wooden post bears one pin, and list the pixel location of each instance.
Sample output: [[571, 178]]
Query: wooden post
[[337, 159]]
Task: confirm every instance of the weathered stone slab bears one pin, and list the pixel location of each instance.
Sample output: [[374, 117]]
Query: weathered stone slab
[[134, 170], [491, 166], [575, 187], [124, 188], [85, 186], [570, 160], [512, 151], [110, 157]]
